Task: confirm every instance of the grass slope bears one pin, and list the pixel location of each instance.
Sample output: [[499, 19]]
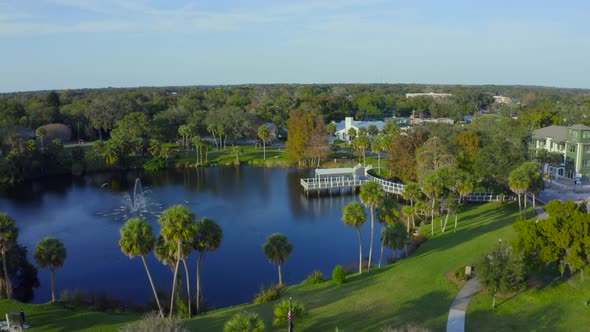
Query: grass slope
[[53, 317], [414, 290]]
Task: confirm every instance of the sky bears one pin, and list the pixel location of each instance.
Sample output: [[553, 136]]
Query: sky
[[67, 44]]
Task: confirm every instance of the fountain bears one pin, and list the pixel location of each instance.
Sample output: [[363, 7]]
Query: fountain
[[138, 205]]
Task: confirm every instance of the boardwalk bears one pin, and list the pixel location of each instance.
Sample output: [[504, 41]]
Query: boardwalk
[[338, 179]]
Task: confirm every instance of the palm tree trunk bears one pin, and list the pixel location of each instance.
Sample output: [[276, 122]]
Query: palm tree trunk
[[379, 161], [153, 287], [280, 275], [52, 284], [6, 280], [174, 281], [264, 149], [534, 203], [456, 218], [199, 282], [432, 217], [188, 288], [371, 244], [381, 256], [360, 251]]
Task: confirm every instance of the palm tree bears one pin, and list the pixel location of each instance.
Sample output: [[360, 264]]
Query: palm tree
[[41, 132], [177, 227], [208, 238], [371, 195], [8, 236], [244, 322], [354, 216], [387, 214], [277, 249], [198, 141], [50, 252], [137, 239], [412, 193], [264, 134], [394, 236]]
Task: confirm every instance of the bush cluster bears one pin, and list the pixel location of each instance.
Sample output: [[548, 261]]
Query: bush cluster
[[338, 275], [460, 274], [153, 323], [314, 278], [269, 294]]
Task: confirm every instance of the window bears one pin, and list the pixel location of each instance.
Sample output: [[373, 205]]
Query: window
[[586, 134], [587, 149], [586, 163], [572, 148]]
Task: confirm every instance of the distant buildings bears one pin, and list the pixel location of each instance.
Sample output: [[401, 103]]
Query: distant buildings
[[428, 94], [573, 143], [502, 99], [342, 127]]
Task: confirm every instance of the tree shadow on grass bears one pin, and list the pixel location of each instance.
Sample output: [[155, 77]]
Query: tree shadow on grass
[[469, 227], [429, 311]]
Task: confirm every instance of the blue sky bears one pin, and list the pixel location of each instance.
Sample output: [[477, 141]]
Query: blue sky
[[58, 44]]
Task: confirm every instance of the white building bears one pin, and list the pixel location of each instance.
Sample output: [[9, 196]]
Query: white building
[[342, 127], [428, 94]]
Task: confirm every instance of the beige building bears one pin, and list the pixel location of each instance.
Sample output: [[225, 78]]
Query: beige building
[[428, 94], [502, 99]]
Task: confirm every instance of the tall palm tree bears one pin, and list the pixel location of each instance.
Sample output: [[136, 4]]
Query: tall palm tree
[[50, 252], [137, 239], [264, 134], [8, 236], [412, 193], [354, 216], [178, 227], [208, 238], [387, 214], [277, 249], [372, 195]]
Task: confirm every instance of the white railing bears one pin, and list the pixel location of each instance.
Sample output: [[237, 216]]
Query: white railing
[[388, 186], [328, 183]]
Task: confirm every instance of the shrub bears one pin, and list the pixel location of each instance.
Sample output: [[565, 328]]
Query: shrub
[[102, 301], [269, 294], [405, 328], [314, 278], [153, 323], [338, 275], [77, 169], [281, 310], [460, 274], [154, 164], [73, 298], [244, 321]]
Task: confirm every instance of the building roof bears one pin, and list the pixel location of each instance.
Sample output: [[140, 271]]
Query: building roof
[[342, 124], [558, 133], [580, 127], [346, 171]]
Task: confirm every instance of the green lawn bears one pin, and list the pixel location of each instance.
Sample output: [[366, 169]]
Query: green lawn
[[53, 317], [414, 290]]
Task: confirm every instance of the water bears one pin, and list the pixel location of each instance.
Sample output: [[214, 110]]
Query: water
[[249, 203]]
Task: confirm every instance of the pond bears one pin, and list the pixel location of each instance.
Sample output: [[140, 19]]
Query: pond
[[249, 203]]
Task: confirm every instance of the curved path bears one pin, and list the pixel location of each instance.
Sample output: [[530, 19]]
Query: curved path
[[456, 321]]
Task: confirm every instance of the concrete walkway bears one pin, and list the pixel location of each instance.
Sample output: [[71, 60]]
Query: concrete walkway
[[456, 321]]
